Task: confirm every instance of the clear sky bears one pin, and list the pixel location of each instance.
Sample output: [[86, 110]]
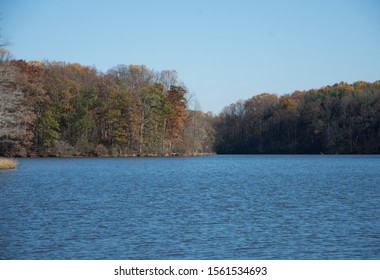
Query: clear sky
[[223, 51]]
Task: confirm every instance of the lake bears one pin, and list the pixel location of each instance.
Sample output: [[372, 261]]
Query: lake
[[212, 207]]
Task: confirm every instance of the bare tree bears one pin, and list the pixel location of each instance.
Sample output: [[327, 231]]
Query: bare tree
[[168, 78], [12, 108], [3, 42]]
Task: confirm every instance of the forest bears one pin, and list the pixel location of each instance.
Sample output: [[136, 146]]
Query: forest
[[60, 109], [342, 118]]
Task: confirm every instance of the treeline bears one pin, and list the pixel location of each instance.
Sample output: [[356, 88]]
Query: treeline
[[343, 118], [65, 109]]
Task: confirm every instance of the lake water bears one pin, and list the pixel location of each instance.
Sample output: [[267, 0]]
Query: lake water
[[214, 207]]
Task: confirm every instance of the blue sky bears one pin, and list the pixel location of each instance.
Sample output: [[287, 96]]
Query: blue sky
[[223, 51]]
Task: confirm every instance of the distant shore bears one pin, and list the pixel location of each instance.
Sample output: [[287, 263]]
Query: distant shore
[[8, 163]]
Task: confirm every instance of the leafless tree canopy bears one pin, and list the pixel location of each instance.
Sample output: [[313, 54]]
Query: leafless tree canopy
[[13, 112]]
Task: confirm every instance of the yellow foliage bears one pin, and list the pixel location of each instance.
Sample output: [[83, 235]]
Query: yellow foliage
[[287, 102], [67, 106], [78, 67], [36, 63]]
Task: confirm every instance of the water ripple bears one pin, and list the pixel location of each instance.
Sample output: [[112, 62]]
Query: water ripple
[[217, 207]]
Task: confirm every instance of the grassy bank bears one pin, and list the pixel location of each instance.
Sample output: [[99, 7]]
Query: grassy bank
[[6, 163]]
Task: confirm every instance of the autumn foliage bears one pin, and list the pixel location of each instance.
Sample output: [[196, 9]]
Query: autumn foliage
[[343, 118], [67, 109]]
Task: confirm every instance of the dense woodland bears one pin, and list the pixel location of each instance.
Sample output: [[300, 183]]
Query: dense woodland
[[343, 118], [66, 109]]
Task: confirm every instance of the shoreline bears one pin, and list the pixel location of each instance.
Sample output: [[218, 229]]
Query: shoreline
[[13, 159], [148, 155]]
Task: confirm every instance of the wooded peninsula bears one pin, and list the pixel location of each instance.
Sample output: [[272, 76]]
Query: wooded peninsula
[[66, 109]]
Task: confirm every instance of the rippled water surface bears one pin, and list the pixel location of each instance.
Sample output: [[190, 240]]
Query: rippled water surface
[[214, 207]]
